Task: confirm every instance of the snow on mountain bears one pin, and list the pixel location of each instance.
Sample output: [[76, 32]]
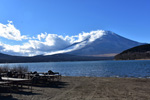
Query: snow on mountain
[[108, 44], [99, 43]]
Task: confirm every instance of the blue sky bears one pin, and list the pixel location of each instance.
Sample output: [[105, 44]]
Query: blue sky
[[128, 18]]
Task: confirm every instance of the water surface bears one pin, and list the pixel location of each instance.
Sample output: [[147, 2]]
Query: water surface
[[131, 68]]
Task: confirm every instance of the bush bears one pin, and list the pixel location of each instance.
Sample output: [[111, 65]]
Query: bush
[[19, 69]]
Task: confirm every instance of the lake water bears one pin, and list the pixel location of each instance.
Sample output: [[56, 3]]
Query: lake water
[[132, 68]]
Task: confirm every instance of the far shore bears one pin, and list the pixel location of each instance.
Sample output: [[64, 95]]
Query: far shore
[[142, 59], [130, 59], [72, 61], [86, 88]]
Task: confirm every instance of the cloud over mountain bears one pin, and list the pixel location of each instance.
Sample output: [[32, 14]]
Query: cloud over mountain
[[43, 43]]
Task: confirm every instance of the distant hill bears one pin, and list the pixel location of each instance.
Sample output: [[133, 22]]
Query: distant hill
[[108, 44], [49, 58], [138, 52]]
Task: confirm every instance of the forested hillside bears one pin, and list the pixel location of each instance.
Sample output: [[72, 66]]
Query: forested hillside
[[138, 52]]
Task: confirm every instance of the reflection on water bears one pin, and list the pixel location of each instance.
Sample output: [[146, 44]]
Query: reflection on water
[[93, 68]]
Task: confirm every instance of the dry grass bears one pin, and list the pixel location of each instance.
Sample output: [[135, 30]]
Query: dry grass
[[19, 69]]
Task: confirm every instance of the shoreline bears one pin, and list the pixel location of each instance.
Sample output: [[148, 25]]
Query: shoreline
[[109, 77], [71, 61], [86, 88]]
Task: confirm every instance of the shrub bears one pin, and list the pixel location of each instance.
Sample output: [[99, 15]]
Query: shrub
[[19, 69]]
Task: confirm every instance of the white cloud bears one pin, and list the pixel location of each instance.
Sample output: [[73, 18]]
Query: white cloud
[[9, 31], [44, 43], [56, 40], [92, 36], [51, 43], [42, 36]]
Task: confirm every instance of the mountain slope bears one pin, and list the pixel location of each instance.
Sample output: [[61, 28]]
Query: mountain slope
[[138, 52], [110, 43], [49, 58]]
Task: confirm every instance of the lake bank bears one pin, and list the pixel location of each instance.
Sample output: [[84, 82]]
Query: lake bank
[[89, 88]]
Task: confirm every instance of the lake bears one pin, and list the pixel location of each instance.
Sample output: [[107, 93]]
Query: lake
[[131, 68]]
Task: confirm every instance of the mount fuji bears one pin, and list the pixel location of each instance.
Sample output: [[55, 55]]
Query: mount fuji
[[106, 45]]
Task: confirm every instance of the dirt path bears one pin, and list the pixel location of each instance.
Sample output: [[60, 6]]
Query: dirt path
[[89, 88]]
